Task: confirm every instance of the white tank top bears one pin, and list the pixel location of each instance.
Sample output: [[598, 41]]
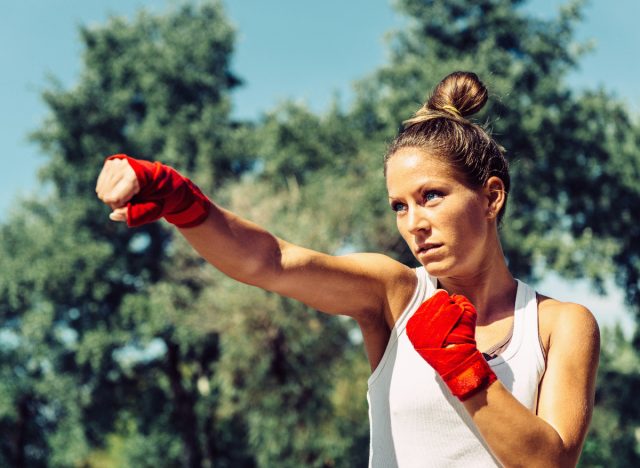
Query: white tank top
[[414, 419]]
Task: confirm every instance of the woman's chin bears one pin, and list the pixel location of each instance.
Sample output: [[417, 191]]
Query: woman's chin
[[437, 269]]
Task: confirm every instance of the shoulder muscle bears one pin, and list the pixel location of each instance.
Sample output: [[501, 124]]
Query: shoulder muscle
[[568, 386]]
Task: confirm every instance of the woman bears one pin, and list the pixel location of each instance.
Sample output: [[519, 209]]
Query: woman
[[434, 399]]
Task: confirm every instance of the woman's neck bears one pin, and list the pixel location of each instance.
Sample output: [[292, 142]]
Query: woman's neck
[[492, 290]]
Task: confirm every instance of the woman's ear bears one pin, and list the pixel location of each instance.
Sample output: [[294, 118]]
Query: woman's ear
[[495, 194]]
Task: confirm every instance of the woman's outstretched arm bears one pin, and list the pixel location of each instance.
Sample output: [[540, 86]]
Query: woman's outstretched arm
[[352, 285], [367, 287]]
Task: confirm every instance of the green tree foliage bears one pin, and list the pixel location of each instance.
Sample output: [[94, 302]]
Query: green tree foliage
[[126, 350], [79, 294], [614, 437], [120, 348], [306, 373]]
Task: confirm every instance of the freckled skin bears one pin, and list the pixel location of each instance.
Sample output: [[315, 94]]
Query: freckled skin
[[433, 206]]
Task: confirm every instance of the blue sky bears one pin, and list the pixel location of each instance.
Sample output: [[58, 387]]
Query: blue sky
[[301, 49]]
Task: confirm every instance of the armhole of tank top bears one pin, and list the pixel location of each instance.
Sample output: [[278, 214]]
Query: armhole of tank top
[[525, 329], [518, 332], [424, 289], [529, 328], [540, 353], [536, 342]]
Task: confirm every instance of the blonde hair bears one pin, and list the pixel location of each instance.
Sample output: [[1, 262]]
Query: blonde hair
[[441, 128]]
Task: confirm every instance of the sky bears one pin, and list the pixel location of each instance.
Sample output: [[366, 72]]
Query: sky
[[301, 49]]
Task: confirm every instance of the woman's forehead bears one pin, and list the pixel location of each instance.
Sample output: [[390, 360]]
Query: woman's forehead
[[412, 165]]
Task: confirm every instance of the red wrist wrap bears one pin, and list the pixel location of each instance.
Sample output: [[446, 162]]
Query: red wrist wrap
[[442, 321], [164, 192]]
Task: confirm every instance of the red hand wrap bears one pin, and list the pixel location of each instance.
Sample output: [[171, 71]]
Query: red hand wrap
[[164, 192], [442, 321]]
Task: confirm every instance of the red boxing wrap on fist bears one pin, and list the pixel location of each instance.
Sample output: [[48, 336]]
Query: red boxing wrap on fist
[[164, 192], [442, 331]]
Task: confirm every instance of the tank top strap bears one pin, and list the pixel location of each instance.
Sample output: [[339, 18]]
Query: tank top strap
[[424, 290], [525, 327], [425, 287], [529, 310]]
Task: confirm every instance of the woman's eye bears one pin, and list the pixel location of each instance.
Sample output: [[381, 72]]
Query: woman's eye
[[398, 207], [431, 195]]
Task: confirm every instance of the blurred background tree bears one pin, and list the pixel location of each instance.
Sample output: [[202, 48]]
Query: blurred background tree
[[120, 348]]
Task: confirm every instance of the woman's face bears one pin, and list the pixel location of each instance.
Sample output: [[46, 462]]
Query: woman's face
[[444, 222]]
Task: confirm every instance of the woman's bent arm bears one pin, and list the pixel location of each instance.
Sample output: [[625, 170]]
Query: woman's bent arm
[[554, 436]]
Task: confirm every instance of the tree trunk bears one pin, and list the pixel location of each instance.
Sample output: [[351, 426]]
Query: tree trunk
[[21, 432], [184, 415]]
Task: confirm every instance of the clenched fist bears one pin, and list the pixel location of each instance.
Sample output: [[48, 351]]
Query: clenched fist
[[442, 331], [117, 184], [141, 192]]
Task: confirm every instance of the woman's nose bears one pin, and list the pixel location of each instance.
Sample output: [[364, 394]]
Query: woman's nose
[[416, 220]]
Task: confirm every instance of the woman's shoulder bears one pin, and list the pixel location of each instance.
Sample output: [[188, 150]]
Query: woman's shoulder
[[566, 324], [383, 267], [398, 280]]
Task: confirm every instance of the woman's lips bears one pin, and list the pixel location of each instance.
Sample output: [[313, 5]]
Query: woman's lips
[[427, 249]]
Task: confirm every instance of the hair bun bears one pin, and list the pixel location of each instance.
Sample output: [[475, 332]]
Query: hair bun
[[460, 93]]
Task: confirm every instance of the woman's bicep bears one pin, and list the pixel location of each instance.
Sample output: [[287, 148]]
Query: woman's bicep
[[358, 285], [353, 285], [568, 387]]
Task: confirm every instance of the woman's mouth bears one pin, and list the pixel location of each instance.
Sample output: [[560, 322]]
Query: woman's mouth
[[427, 249]]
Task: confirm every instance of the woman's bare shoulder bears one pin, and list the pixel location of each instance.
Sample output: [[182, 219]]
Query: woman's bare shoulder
[[566, 321], [400, 281], [385, 268]]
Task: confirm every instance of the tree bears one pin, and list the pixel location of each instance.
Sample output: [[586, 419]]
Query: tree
[[120, 346], [163, 361], [78, 293], [613, 440]]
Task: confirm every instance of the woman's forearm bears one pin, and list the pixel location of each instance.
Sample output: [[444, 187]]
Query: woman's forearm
[[237, 247], [518, 437]]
